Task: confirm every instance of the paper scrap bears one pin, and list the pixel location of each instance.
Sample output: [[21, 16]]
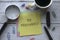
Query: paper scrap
[[29, 23]]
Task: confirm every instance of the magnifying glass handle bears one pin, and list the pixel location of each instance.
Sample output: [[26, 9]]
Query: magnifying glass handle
[[3, 28]]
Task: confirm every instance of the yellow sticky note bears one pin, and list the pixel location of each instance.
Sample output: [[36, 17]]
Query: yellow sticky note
[[29, 23]]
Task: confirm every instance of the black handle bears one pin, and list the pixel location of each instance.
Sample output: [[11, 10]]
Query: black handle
[[3, 28], [48, 34]]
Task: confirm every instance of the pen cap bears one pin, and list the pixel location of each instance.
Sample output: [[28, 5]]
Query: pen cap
[[12, 12]]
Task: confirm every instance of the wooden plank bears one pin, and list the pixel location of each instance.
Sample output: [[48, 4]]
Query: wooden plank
[[11, 33], [23, 0], [55, 7], [16, 0]]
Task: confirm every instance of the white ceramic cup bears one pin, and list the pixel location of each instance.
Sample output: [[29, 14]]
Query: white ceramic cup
[[47, 3]]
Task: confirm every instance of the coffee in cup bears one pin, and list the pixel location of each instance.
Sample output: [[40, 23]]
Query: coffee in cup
[[43, 3]]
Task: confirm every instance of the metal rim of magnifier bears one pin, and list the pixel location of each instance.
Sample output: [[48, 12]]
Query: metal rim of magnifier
[[14, 14]]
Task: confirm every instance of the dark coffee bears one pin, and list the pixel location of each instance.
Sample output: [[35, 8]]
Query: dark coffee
[[43, 3]]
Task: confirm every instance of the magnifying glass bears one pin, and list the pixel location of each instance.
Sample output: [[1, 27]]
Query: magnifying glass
[[12, 13]]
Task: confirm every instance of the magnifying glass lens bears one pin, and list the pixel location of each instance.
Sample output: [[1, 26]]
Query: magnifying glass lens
[[12, 12]]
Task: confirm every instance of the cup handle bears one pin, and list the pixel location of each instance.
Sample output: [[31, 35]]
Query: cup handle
[[33, 4]]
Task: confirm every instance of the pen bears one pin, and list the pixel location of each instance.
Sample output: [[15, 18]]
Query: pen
[[48, 34], [48, 19]]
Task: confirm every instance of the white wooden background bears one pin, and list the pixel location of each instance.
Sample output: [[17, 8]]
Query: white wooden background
[[10, 32]]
